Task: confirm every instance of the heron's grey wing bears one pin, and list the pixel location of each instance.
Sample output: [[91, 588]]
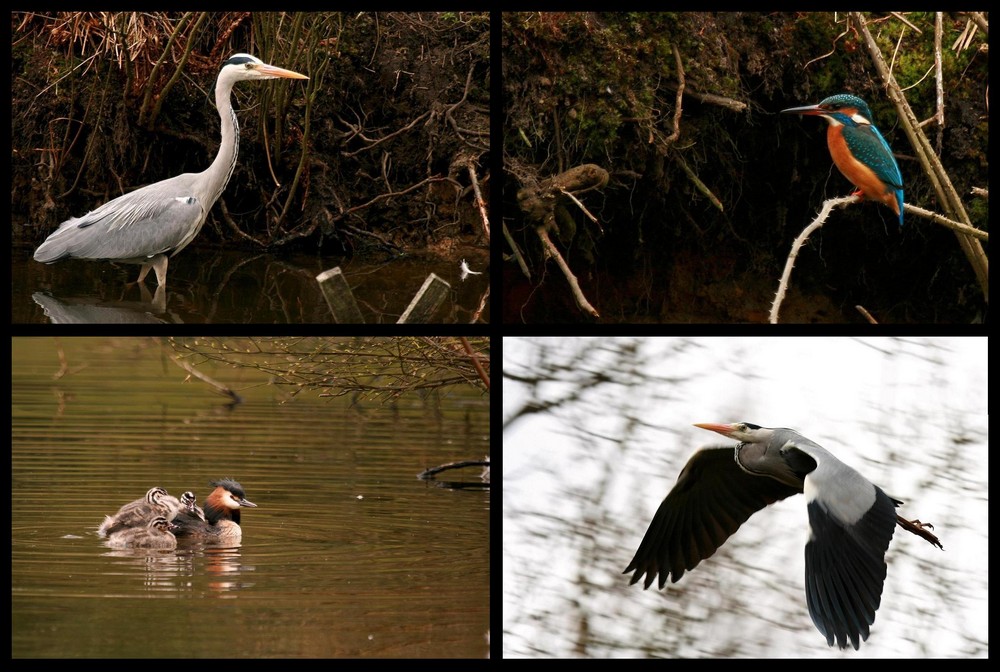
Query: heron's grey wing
[[134, 226], [845, 555], [713, 496]]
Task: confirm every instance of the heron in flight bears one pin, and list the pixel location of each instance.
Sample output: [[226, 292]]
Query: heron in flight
[[851, 521], [144, 226]]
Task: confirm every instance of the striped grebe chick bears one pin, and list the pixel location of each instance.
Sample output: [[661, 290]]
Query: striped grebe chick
[[189, 504], [157, 534], [157, 502]]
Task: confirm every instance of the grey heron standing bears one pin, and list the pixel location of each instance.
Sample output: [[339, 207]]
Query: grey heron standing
[[851, 521], [143, 226]]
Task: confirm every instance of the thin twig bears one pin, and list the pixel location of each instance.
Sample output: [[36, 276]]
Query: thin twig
[[219, 387], [480, 204], [483, 376], [551, 251]]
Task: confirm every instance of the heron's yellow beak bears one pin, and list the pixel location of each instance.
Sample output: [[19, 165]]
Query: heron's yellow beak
[[725, 430], [275, 71]]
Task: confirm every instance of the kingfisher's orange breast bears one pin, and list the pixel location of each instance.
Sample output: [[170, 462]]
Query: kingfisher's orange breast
[[860, 175]]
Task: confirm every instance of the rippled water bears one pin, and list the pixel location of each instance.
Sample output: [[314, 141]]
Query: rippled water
[[347, 554]]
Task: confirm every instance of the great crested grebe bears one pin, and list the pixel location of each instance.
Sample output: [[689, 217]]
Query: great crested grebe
[[221, 523], [157, 502], [157, 534]]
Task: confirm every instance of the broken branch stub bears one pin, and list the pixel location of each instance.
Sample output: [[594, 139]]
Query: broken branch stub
[[538, 201]]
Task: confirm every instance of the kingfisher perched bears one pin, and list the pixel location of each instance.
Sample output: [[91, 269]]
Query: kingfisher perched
[[859, 150]]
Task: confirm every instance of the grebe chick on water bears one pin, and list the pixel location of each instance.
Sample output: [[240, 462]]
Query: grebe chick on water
[[157, 502], [155, 535], [222, 515], [189, 505]]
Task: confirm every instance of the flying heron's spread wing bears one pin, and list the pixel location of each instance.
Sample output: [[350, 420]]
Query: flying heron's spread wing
[[712, 498], [163, 217], [851, 523]]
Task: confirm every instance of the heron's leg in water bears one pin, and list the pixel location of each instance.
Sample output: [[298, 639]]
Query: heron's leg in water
[[158, 264]]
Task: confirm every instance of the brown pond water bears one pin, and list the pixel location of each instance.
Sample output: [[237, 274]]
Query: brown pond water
[[347, 554]]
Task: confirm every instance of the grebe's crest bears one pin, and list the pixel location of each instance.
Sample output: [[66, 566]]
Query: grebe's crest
[[231, 485]]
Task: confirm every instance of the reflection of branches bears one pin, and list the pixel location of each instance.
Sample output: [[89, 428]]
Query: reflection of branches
[[376, 367]]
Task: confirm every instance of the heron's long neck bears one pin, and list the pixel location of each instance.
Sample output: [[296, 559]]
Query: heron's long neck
[[222, 168]]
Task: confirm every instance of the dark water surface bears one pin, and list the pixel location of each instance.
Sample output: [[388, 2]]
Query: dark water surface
[[235, 287]]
